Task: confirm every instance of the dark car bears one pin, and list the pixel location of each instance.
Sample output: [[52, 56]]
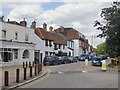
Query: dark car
[[83, 57], [61, 61], [96, 61], [51, 60], [72, 59], [66, 60]]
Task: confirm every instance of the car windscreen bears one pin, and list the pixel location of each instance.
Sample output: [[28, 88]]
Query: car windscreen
[[82, 55], [49, 58], [97, 59]]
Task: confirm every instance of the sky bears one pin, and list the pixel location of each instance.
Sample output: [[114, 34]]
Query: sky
[[79, 14]]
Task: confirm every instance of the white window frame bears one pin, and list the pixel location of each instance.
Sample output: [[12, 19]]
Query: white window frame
[[16, 35], [26, 37], [4, 34]]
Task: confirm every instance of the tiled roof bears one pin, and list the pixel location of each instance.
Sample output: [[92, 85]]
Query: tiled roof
[[55, 37], [70, 33]]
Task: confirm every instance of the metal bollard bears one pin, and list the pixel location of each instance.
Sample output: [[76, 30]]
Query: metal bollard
[[35, 70], [23, 64], [29, 64], [38, 68], [6, 82], [33, 63], [17, 75], [30, 71], [25, 71], [26, 64]]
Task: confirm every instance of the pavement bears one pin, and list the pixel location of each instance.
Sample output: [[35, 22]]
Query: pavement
[[12, 76]]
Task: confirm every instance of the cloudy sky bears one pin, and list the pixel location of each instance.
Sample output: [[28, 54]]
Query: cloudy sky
[[79, 14]]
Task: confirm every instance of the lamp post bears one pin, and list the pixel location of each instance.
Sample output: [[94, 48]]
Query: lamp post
[[92, 37]]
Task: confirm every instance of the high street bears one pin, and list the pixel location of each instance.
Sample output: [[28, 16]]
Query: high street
[[75, 76]]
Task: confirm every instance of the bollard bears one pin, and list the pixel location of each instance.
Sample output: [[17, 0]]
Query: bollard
[[35, 70], [104, 65], [29, 64], [38, 68], [86, 62], [31, 71], [17, 75], [6, 78], [23, 64], [33, 63], [25, 71], [26, 64]]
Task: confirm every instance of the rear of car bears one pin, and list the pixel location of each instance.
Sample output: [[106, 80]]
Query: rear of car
[[50, 60], [82, 57]]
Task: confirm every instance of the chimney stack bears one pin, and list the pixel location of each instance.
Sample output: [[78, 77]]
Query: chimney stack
[[8, 20], [23, 23], [51, 28], [33, 25], [45, 26], [62, 28]]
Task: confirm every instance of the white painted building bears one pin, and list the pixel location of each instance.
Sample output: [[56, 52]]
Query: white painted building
[[49, 43], [16, 43]]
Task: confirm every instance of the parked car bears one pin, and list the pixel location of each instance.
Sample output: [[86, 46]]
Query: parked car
[[71, 59], [61, 61], [66, 60], [96, 61], [83, 57], [51, 60]]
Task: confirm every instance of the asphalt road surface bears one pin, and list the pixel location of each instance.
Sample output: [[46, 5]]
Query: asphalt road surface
[[72, 76]]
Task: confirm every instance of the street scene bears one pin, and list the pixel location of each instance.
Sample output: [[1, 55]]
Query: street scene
[[74, 76], [59, 44]]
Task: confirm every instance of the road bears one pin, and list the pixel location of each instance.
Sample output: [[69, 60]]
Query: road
[[73, 76]]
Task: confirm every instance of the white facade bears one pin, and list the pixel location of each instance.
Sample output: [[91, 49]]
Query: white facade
[[42, 49], [17, 44], [77, 49]]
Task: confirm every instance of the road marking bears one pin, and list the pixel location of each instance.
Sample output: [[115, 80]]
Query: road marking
[[84, 71], [60, 72]]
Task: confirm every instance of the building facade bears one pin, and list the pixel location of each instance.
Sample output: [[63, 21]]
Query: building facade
[[51, 43], [17, 43], [80, 41]]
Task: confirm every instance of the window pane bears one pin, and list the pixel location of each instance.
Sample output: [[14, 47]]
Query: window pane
[[26, 37], [16, 36], [3, 34]]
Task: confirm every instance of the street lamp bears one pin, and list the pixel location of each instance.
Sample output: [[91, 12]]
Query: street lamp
[[92, 37]]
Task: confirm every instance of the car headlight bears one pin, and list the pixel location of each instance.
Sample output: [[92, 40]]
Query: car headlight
[[94, 61]]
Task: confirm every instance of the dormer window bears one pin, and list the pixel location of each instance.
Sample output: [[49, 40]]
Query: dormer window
[[4, 34]]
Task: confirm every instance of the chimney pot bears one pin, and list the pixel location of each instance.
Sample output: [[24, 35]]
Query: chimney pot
[[23, 23], [51, 28], [45, 26], [33, 24]]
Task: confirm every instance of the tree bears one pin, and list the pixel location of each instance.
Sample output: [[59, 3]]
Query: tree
[[101, 49], [111, 28]]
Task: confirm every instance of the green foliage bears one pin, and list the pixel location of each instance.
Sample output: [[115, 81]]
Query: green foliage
[[111, 28], [101, 49], [60, 53]]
